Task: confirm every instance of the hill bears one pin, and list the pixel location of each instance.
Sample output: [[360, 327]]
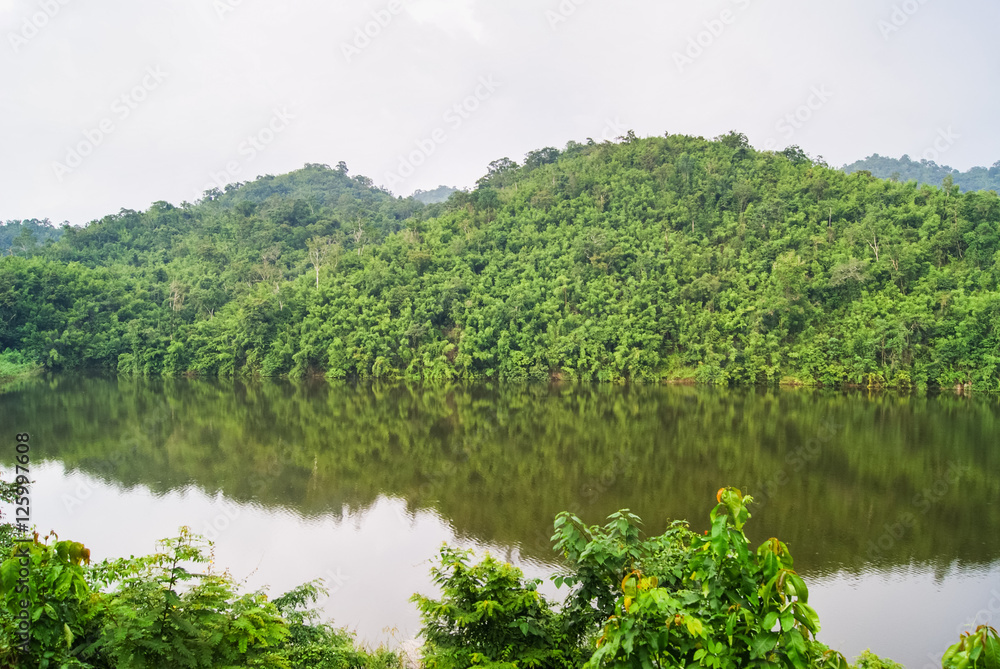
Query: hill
[[928, 172], [666, 258], [24, 236], [439, 194]]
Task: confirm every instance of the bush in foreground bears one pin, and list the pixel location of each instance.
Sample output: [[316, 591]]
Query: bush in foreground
[[158, 611], [680, 599]]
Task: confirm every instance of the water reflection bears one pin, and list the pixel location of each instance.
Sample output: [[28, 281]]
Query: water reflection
[[370, 560], [311, 479]]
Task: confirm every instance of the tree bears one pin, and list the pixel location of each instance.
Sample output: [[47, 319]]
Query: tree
[[535, 159], [498, 173], [320, 248]]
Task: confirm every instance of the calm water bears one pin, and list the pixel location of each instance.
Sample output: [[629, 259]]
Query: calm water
[[890, 504]]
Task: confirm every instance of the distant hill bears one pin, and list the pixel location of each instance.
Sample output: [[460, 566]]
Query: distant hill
[[927, 172], [439, 194], [24, 236]]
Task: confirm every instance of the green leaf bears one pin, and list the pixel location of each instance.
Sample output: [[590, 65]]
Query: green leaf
[[798, 586], [787, 619], [976, 651], [763, 644], [695, 627], [991, 654], [807, 615]]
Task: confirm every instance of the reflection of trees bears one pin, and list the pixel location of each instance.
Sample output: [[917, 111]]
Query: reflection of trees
[[831, 471]]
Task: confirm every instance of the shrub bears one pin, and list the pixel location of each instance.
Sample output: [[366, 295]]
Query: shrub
[[683, 598], [162, 614], [869, 660], [15, 363], [65, 616], [157, 611], [490, 616], [975, 650], [314, 645]]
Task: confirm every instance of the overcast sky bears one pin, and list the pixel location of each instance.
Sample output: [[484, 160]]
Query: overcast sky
[[108, 104]]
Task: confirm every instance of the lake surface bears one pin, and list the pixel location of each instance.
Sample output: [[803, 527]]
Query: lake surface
[[890, 504]]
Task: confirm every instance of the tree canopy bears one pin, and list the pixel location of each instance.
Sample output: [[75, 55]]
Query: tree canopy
[[660, 258]]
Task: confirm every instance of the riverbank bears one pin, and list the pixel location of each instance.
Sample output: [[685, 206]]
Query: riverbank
[[15, 366]]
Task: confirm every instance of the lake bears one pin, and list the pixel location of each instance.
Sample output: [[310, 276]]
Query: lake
[[889, 503]]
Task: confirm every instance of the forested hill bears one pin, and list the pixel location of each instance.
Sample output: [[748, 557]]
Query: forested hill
[[25, 236], [649, 259], [928, 172], [439, 194]]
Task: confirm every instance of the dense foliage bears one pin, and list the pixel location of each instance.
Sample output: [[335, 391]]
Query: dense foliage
[[490, 616], [25, 237], [661, 258], [15, 364], [168, 609], [684, 599], [928, 172], [978, 649], [680, 599]]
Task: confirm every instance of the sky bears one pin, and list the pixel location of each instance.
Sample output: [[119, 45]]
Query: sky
[[112, 104]]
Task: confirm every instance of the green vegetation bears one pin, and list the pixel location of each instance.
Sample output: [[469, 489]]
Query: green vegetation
[[928, 172], [678, 599], [15, 365], [869, 660], [490, 617], [163, 610], [684, 599], [681, 599], [25, 237], [667, 258], [975, 650]]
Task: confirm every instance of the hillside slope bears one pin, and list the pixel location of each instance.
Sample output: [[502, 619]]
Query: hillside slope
[[661, 258]]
